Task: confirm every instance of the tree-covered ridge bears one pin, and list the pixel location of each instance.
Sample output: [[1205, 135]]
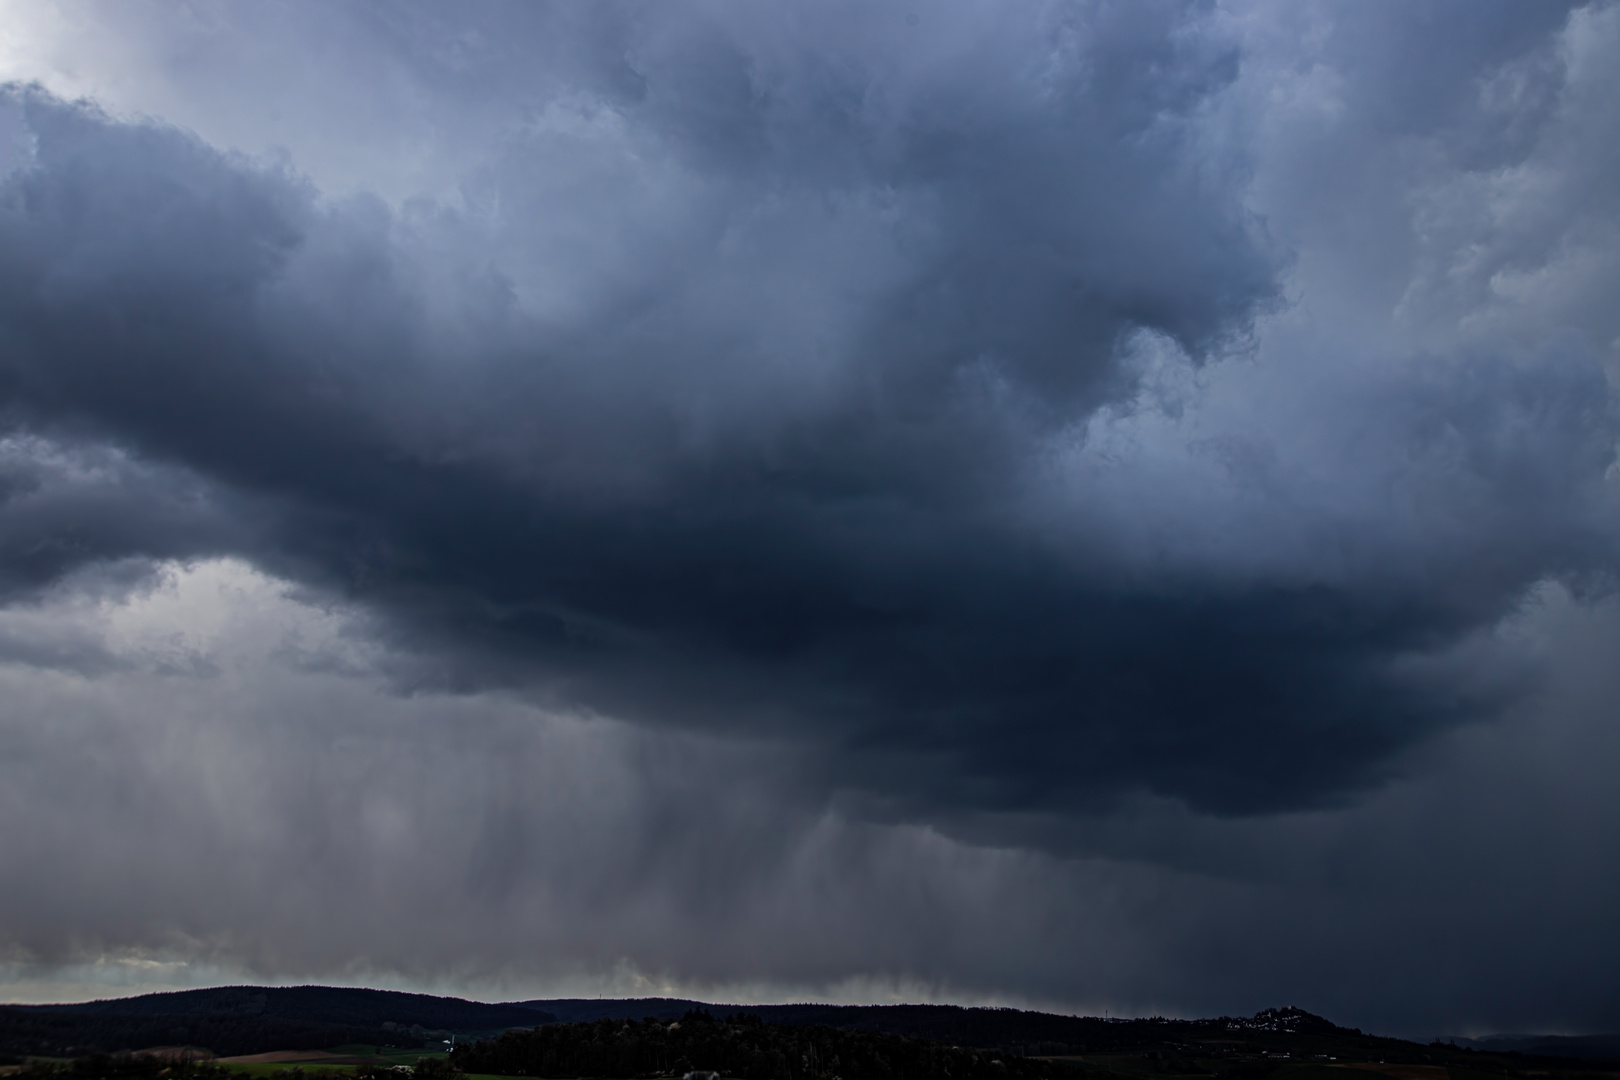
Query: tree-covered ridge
[[340, 1005], [230, 1020], [741, 1045]]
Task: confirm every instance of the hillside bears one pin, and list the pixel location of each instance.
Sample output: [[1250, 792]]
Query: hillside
[[233, 1020]]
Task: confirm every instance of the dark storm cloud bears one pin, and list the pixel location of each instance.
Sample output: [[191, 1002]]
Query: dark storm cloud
[[211, 798], [66, 506], [735, 390]]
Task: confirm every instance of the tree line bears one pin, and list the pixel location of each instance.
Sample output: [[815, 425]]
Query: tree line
[[741, 1045]]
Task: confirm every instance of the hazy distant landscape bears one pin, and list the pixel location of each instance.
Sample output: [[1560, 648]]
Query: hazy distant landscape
[[286, 1032]]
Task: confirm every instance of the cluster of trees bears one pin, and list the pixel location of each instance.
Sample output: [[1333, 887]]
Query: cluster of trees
[[740, 1045]]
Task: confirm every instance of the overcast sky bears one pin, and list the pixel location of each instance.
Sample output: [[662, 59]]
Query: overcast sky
[[1085, 505]]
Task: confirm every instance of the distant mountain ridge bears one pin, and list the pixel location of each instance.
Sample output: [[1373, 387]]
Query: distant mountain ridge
[[1587, 1047]]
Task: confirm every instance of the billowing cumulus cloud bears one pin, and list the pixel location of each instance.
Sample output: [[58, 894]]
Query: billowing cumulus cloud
[[982, 464]]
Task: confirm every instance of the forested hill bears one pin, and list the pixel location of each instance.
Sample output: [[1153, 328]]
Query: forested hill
[[323, 1004], [233, 1020]]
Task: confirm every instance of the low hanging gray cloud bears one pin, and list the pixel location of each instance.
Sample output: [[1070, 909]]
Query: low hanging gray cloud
[[211, 780], [998, 418]]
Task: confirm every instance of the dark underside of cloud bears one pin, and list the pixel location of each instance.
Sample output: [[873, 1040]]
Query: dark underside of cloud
[[774, 455]]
